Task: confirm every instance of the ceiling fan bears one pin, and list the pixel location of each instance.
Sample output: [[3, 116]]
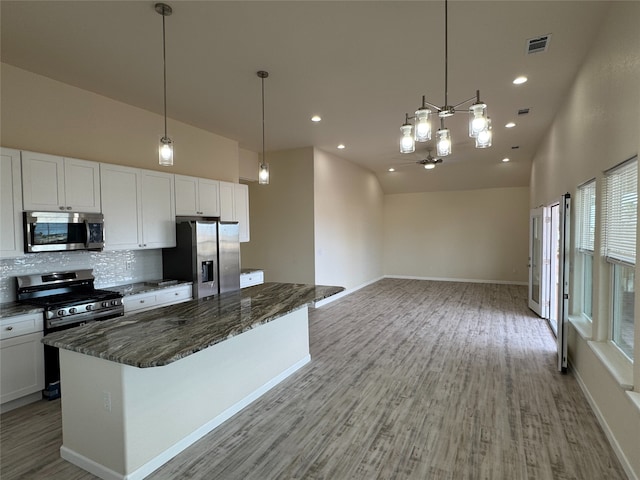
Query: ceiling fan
[[428, 162]]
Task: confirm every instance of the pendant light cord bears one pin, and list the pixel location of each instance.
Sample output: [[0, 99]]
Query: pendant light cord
[[446, 55], [164, 64], [262, 78]]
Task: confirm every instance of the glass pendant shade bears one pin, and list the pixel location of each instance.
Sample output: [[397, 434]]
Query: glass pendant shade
[[483, 140], [477, 119], [263, 174], [443, 145], [422, 129], [429, 166], [407, 143], [165, 152]]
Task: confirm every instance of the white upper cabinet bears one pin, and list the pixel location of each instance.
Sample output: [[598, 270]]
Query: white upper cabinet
[[121, 207], [226, 202], [11, 243], [158, 209], [138, 207], [241, 209], [53, 183], [197, 196], [234, 206]]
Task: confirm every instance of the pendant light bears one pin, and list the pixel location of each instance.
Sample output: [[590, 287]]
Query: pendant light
[[420, 131], [165, 149], [263, 173]]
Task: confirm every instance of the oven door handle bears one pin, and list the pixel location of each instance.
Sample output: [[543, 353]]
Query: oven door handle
[[87, 233]]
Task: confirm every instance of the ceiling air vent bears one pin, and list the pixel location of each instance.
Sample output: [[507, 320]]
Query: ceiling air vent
[[538, 44], [523, 111]]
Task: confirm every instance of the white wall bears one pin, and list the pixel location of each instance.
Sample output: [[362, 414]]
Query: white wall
[[597, 127], [282, 221], [348, 206], [478, 235], [44, 115]]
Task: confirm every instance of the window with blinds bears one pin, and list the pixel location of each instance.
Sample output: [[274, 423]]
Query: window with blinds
[[586, 216], [585, 235], [620, 212]]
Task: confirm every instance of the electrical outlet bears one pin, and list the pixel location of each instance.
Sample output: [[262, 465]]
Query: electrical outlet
[[107, 401], [127, 265]]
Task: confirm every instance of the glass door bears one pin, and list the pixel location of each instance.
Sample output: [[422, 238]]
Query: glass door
[[562, 280], [538, 264]]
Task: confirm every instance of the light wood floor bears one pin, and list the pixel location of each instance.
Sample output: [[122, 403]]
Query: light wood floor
[[408, 380]]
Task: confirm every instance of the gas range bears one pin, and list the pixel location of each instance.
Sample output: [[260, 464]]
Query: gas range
[[69, 298]]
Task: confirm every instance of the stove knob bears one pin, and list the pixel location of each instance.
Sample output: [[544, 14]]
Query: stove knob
[[89, 308], [73, 310], [114, 302], [61, 313]]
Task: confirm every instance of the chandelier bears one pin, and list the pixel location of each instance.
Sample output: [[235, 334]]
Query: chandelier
[[420, 130]]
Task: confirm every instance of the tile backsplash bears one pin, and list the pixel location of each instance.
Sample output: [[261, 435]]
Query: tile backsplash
[[109, 268]]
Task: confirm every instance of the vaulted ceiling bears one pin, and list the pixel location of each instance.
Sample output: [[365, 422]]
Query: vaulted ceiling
[[360, 65]]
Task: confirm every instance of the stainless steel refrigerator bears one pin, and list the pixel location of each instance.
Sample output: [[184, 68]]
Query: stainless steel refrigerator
[[207, 253]]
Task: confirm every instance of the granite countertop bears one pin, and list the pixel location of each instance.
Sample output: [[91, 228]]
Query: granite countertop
[[11, 309], [164, 335], [143, 287]]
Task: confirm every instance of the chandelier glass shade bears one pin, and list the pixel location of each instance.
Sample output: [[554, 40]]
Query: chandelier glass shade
[[407, 142], [420, 130]]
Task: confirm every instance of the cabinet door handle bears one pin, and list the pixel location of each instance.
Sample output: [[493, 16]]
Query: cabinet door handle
[[176, 294], [61, 208], [141, 301], [68, 208], [9, 328]]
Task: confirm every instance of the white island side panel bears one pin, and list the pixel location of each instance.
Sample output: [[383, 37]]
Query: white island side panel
[[157, 412]]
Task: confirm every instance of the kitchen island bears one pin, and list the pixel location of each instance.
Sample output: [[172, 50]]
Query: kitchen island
[[139, 389]]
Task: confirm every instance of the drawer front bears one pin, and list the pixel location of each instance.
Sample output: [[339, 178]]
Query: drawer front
[[174, 295], [134, 303], [250, 279], [21, 325]]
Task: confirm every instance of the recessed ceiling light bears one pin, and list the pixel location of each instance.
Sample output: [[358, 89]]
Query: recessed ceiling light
[[392, 169], [316, 118], [505, 160], [341, 146], [520, 80], [510, 125]]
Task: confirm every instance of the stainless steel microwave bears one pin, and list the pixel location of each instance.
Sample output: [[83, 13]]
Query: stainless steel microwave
[[63, 231]]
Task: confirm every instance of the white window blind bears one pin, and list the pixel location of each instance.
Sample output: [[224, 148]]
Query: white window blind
[[620, 212], [586, 216]]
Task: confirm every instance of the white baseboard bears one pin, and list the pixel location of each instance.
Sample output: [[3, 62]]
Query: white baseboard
[[21, 402], [462, 280], [605, 426], [344, 293], [152, 465]]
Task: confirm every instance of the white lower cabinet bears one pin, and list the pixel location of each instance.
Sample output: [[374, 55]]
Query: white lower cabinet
[[21, 356], [251, 278], [138, 207], [158, 298]]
